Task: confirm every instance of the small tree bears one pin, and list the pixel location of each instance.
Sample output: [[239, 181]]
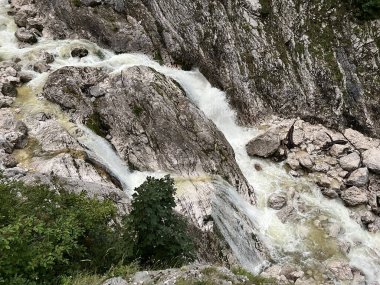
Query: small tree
[[158, 232], [368, 9]]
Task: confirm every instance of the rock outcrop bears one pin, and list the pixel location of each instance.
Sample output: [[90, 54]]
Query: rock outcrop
[[267, 55], [151, 123]]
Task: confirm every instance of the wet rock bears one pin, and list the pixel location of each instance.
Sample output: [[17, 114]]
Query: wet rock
[[47, 57], [264, 145], [367, 217], [331, 193], [21, 17], [341, 270], [354, 196], [9, 89], [350, 162], [286, 214], [79, 52], [277, 200], [292, 272], [26, 36], [359, 177], [41, 67], [25, 76], [258, 167], [371, 159]]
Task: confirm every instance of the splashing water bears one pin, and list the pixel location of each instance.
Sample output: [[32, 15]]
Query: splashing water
[[301, 241]]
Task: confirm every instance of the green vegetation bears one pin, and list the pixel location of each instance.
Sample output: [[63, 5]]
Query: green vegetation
[[46, 234], [76, 3], [95, 123], [159, 234], [56, 237], [137, 110], [368, 9]]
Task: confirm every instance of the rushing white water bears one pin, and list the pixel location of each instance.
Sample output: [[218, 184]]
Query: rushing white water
[[299, 241], [109, 159]]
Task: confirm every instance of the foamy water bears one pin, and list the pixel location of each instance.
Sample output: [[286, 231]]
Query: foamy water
[[300, 242]]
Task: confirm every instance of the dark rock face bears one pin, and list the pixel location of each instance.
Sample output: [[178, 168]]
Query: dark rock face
[[152, 124], [269, 59], [79, 52]]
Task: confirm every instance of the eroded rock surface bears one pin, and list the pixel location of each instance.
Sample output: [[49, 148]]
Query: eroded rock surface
[[152, 124], [267, 55]]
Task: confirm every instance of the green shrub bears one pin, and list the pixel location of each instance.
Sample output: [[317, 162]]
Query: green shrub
[[46, 234], [367, 9], [158, 234]]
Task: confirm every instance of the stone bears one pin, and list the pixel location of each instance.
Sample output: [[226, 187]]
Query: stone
[[293, 163], [306, 162], [41, 67], [26, 36], [350, 162], [371, 159], [96, 91], [25, 76], [79, 52], [331, 193], [286, 214], [341, 270], [359, 140], [264, 145], [7, 160], [354, 196], [21, 17], [9, 89], [359, 177], [277, 200], [337, 149]]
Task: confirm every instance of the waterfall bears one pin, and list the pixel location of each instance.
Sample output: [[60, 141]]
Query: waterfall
[[246, 228]]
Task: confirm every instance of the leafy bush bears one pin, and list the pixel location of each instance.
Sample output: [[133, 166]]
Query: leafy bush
[[46, 234], [368, 9], [158, 234]]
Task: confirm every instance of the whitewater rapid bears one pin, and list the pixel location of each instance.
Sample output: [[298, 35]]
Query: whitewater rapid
[[299, 242]]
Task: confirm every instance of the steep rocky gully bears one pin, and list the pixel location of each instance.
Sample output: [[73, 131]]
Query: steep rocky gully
[[97, 95]]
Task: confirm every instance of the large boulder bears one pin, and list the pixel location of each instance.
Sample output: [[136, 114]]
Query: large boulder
[[153, 125], [354, 196], [26, 36], [371, 159], [264, 145]]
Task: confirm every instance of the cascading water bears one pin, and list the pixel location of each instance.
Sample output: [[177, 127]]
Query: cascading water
[[246, 228]]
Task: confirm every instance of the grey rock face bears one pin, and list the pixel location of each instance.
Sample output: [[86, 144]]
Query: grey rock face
[[354, 196], [152, 124], [264, 145], [269, 59]]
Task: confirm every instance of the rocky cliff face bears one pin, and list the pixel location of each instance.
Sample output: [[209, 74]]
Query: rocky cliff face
[[294, 58]]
